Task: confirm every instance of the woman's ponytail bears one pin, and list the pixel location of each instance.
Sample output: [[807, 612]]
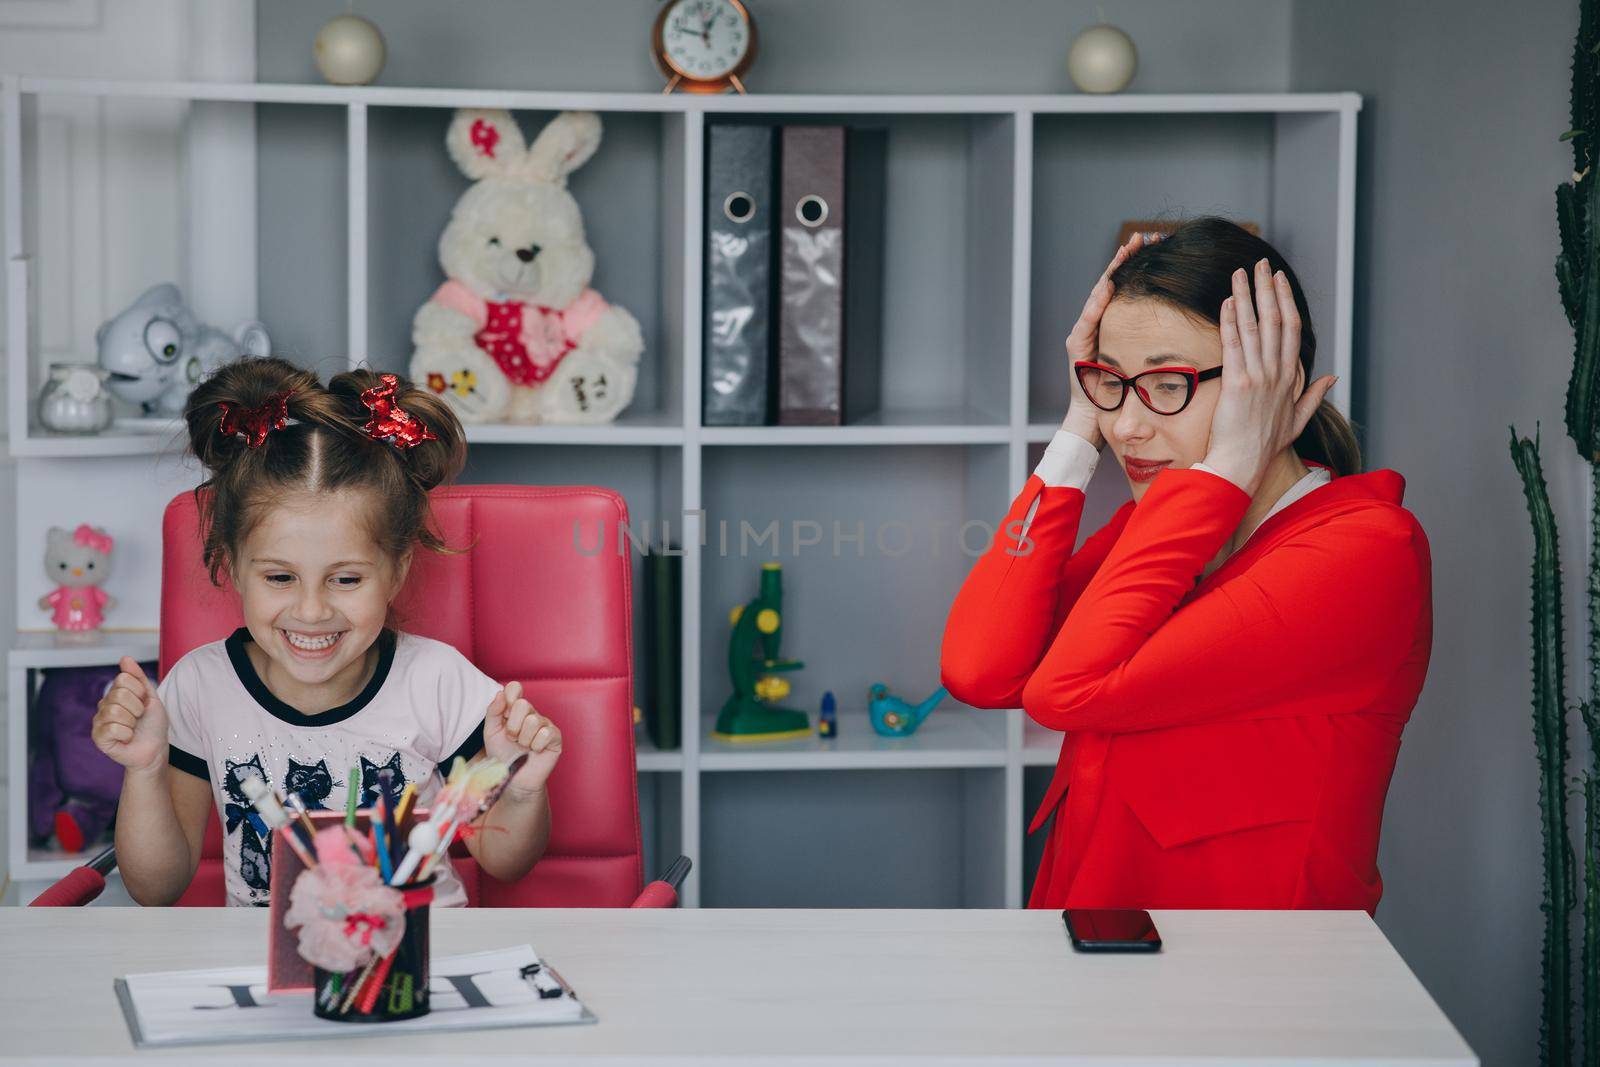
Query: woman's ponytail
[[1329, 439]]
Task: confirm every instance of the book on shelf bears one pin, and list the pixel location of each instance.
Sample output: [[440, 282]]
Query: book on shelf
[[661, 691]]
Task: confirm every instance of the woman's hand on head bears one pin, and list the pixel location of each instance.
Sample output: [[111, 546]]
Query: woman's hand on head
[[130, 724], [1257, 414], [511, 727], [1083, 418]]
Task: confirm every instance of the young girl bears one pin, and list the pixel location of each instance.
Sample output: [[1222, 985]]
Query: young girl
[[315, 501]]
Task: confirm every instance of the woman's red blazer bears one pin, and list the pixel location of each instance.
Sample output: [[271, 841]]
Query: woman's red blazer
[[1228, 741]]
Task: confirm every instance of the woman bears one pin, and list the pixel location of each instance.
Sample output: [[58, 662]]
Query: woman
[[1233, 656]]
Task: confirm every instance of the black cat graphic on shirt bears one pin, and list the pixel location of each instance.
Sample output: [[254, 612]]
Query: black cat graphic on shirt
[[370, 783], [312, 781]]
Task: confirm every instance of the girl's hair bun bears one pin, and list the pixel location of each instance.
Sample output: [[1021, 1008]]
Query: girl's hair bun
[[250, 384], [429, 463]]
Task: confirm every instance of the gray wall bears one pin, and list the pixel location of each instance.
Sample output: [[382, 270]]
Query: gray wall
[[1458, 333], [890, 46]]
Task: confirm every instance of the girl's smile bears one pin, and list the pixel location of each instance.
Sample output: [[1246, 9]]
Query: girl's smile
[[311, 646]]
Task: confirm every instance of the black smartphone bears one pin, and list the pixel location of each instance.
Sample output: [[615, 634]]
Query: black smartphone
[[1111, 930]]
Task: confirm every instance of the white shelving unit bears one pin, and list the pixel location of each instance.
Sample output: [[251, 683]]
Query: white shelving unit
[[1002, 210]]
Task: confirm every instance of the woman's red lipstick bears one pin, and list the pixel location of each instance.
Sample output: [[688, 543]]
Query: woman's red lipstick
[[1142, 471]]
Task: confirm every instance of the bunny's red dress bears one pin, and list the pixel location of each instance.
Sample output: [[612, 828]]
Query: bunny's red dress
[[1228, 740]]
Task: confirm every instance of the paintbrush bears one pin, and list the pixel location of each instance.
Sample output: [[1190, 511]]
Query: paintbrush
[[298, 807], [273, 814]]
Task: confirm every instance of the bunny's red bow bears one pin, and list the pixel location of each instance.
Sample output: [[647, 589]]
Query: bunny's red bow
[[253, 424], [389, 421]]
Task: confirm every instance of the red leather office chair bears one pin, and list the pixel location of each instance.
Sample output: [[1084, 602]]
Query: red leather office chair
[[522, 604]]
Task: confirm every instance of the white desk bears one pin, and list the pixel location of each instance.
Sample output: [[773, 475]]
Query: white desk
[[793, 986]]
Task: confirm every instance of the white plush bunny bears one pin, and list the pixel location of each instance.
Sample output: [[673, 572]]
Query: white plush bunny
[[515, 334]]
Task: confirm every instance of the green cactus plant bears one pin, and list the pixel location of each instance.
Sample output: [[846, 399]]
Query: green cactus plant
[[1589, 964], [1550, 738], [1577, 271], [1577, 209]]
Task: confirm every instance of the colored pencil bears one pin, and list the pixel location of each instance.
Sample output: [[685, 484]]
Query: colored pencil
[[404, 807], [352, 796], [375, 983]]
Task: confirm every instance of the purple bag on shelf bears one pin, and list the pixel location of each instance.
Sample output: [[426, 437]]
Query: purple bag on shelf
[[72, 786]]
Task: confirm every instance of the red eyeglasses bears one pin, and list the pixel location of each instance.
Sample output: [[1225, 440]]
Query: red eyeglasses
[[1165, 391]]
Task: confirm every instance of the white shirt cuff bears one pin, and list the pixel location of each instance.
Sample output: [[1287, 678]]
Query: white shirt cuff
[[1068, 460], [1209, 470]]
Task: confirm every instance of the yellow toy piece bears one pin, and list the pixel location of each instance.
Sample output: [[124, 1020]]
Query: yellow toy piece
[[733, 616], [771, 688], [767, 621]]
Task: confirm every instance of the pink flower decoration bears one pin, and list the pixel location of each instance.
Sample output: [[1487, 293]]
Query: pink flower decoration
[[346, 915]]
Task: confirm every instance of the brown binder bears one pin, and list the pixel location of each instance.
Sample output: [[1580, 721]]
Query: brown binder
[[830, 275]]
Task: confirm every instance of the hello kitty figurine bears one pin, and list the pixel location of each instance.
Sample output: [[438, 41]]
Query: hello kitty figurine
[[78, 561], [515, 334]]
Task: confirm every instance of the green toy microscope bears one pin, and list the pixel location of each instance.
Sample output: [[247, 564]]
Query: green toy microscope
[[751, 713]]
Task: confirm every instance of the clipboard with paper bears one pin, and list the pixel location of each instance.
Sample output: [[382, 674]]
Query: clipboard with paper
[[509, 987]]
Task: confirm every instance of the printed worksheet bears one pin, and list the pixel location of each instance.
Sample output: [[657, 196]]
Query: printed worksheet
[[479, 990]]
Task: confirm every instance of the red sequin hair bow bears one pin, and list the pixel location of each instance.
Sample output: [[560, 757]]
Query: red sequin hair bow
[[390, 422], [253, 424]]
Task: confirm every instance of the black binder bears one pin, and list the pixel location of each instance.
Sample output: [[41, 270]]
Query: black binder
[[737, 338]]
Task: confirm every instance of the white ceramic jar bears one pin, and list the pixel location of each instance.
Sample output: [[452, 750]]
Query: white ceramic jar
[[74, 399]]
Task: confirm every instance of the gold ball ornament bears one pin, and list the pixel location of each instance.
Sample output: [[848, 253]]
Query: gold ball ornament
[[1102, 60], [349, 50]]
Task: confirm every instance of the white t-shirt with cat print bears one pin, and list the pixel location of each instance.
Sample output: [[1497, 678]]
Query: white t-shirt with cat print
[[423, 706]]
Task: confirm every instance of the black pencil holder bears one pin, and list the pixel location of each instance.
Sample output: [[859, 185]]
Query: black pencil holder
[[402, 983]]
